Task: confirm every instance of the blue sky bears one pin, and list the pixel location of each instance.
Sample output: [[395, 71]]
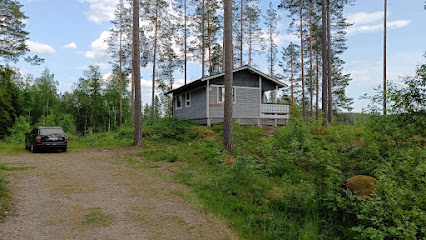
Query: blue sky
[[69, 35]]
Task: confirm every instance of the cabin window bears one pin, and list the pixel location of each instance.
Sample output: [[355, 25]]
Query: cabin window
[[188, 99], [179, 102], [221, 94]]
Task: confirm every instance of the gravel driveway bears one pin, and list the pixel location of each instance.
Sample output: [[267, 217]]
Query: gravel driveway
[[91, 195]]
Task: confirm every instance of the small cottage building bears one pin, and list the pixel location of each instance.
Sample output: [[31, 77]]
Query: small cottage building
[[202, 101]]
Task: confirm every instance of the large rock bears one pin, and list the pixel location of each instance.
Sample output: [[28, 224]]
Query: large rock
[[361, 185]]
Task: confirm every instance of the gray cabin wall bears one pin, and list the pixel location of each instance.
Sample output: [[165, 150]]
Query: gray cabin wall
[[268, 85], [242, 78], [247, 103], [197, 110]]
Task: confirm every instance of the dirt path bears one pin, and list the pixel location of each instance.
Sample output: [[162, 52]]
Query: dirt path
[[91, 195]]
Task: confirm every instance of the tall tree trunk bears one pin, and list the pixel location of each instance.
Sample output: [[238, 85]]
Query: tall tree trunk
[[185, 46], [137, 75], [317, 89], [121, 59], [310, 62], [203, 45], [132, 98], [324, 59], [330, 84], [154, 62], [250, 43], [292, 78], [209, 36], [223, 49], [227, 128], [384, 60], [241, 40], [302, 60]]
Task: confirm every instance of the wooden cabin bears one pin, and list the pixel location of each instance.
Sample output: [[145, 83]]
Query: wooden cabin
[[202, 101]]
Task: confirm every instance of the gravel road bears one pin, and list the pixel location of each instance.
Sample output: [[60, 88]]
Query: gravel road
[[91, 194]]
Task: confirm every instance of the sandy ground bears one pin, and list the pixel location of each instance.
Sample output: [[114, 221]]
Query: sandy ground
[[56, 198]]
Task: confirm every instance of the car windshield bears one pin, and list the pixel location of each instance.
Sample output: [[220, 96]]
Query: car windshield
[[51, 131]]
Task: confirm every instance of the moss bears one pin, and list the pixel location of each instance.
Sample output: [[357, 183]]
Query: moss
[[361, 185]]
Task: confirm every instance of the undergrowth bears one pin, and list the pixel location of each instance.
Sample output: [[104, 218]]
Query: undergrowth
[[287, 183]]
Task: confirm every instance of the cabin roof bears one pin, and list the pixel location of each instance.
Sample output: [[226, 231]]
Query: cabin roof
[[202, 81]]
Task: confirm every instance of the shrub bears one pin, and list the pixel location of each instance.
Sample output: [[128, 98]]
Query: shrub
[[170, 128], [18, 131]]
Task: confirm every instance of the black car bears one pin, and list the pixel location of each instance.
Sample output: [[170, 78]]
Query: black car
[[46, 138]]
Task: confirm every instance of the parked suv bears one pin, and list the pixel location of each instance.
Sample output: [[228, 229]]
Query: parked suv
[[46, 138]]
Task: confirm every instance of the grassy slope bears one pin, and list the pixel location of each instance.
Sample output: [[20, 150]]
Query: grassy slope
[[282, 185]]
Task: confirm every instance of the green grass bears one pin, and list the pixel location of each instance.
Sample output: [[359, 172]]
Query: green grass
[[11, 149], [286, 184], [95, 217]]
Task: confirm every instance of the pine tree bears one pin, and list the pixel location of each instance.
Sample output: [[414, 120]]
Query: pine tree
[[137, 75], [182, 8], [271, 22], [163, 31], [291, 67], [119, 45], [13, 37], [253, 31], [227, 127]]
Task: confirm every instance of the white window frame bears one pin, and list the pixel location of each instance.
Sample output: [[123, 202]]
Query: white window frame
[[177, 98], [188, 100], [219, 96]]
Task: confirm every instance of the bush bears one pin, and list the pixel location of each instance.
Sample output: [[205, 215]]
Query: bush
[[66, 122], [171, 128], [18, 131]]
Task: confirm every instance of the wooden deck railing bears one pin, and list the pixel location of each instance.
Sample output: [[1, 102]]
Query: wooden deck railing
[[275, 111]]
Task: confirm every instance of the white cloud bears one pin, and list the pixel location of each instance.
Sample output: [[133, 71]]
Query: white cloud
[[364, 18], [98, 51], [371, 22], [378, 27], [71, 45], [40, 48], [106, 78], [100, 10]]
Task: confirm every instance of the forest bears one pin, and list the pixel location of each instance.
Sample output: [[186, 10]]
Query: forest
[[274, 183]]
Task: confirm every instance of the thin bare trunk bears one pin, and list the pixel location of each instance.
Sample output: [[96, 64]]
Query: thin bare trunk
[[250, 43], [154, 62], [324, 59], [330, 84], [185, 46], [292, 79], [302, 60], [227, 128], [310, 62], [223, 50], [209, 36], [132, 100], [241, 40], [202, 44], [137, 75], [317, 89], [384, 62], [121, 72]]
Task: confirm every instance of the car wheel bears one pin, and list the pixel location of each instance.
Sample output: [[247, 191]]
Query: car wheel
[[33, 150], [64, 149]]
